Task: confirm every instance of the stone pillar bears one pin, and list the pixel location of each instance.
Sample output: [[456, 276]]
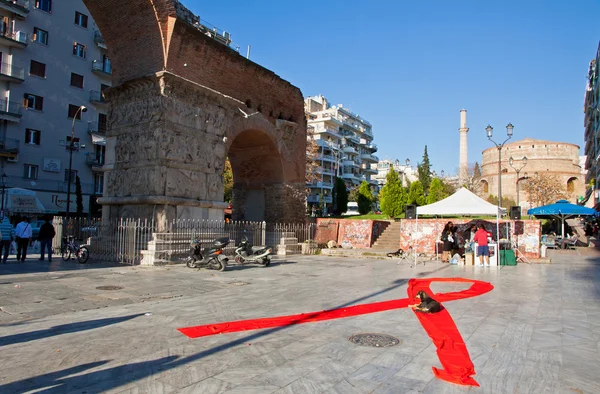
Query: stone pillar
[[165, 151], [463, 162]]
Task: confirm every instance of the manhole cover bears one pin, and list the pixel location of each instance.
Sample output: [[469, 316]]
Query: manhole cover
[[239, 283], [374, 340], [108, 288]]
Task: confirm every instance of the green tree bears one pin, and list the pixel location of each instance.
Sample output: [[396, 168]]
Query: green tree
[[227, 182], [365, 198], [507, 202], [424, 170], [340, 199], [353, 194], [476, 171], [436, 191], [78, 196], [416, 194], [448, 188], [392, 196]]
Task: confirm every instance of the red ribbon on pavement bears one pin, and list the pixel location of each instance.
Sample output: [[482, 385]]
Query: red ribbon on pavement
[[451, 349]]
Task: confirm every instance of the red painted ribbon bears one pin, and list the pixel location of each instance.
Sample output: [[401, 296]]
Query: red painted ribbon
[[451, 349]]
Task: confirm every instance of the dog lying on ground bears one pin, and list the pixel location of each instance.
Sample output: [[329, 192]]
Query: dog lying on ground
[[398, 253], [427, 305]]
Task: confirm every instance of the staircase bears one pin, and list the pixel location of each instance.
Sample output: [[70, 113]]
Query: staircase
[[389, 239]]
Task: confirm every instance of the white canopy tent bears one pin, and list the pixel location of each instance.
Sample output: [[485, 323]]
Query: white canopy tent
[[463, 203]]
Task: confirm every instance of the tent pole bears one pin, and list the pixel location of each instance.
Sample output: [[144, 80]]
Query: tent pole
[[413, 240], [498, 238]]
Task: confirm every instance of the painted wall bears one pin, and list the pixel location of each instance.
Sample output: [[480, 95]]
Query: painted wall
[[359, 234]]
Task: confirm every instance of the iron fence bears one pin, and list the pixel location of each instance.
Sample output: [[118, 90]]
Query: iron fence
[[128, 240]]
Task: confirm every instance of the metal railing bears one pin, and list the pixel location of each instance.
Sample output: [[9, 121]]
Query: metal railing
[[96, 96], [127, 240], [97, 127], [18, 36], [10, 145], [12, 71], [101, 67], [98, 39], [94, 161], [11, 107], [24, 4]]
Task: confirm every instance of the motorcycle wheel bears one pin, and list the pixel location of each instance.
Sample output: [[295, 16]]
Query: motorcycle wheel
[[239, 260], [266, 261], [191, 262], [217, 265]]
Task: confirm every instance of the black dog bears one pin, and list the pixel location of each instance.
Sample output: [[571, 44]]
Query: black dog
[[427, 305], [398, 253]]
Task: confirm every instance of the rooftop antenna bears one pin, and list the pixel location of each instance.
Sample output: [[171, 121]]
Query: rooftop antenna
[[248, 53]]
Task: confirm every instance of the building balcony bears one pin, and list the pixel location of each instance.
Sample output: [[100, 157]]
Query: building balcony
[[10, 73], [14, 39], [317, 199], [101, 69], [350, 163], [46, 185], [321, 185], [372, 147], [10, 110], [328, 171], [9, 148], [352, 137], [327, 144], [367, 169], [326, 158], [17, 7], [96, 127], [369, 157], [94, 162], [99, 40], [349, 150], [327, 130], [326, 118], [349, 176], [96, 97]]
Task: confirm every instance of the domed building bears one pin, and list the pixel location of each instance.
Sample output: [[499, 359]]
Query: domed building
[[557, 158]]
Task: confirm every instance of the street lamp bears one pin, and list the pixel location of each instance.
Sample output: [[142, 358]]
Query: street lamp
[[442, 173], [3, 191], [82, 108], [509, 132], [518, 170]]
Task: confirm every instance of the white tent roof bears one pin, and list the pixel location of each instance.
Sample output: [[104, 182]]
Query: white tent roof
[[463, 202]]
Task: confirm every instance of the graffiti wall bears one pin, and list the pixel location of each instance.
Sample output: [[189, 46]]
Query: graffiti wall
[[348, 233]]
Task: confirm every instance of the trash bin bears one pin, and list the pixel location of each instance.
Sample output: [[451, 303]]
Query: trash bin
[[507, 257], [543, 249]]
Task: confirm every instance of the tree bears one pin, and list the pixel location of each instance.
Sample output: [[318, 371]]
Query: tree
[[353, 194], [313, 169], [507, 202], [416, 195], [476, 171], [365, 198], [544, 189], [392, 196], [448, 188], [78, 196], [340, 200], [227, 182], [424, 170], [436, 191]]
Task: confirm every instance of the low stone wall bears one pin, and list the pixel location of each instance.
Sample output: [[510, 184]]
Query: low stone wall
[[348, 233], [424, 233]]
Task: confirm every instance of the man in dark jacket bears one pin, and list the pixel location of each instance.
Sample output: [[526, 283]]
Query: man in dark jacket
[[47, 233]]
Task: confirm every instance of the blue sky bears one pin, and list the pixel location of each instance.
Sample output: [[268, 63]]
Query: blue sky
[[410, 66]]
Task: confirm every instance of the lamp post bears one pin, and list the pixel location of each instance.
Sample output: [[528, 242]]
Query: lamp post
[[509, 132], [3, 191], [518, 170], [81, 108]]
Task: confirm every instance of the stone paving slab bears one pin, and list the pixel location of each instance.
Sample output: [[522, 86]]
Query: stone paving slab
[[538, 331]]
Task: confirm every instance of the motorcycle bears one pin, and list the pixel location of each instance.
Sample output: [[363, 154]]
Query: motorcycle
[[245, 253], [211, 257]]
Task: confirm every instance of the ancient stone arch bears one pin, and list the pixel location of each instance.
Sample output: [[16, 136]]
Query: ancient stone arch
[[181, 101]]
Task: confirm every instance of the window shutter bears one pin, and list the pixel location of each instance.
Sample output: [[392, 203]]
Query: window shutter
[[36, 137], [39, 103]]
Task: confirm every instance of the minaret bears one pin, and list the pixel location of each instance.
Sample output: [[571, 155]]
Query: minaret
[[463, 160]]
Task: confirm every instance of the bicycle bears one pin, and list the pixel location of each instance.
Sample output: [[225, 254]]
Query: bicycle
[[71, 248]]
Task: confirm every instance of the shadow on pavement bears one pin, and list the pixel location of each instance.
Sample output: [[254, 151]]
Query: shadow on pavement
[[63, 329], [57, 264], [107, 379]]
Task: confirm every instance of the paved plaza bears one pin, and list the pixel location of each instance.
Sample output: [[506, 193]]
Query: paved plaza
[[537, 331]]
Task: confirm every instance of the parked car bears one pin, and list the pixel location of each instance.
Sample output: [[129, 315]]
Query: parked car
[[352, 209]]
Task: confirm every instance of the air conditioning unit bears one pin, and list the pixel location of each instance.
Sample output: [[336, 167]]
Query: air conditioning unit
[[13, 160]]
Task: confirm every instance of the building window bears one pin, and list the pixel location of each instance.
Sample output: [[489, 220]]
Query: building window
[[98, 183], [79, 50], [100, 151], [38, 69], [74, 110], [81, 19], [32, 137], [44, 5], [32, 101], [40, 36], [77, 80], [102, 123], [73, 175], [30, 171]]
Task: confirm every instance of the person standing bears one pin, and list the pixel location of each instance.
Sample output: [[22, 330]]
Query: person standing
[[448, 239], [23, 233], [47, 233], [8, 232], [483, 249]]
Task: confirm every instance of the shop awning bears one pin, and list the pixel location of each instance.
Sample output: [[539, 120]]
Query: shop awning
[[22, 201], [97, 139]]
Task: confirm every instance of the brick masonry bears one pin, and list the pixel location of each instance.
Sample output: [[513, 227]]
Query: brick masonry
[[176, 95], [350, 233]]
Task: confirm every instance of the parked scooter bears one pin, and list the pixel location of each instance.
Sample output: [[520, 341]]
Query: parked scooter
[[245, 253], [211, 257]]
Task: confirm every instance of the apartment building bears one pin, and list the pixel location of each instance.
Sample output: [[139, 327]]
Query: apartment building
[[345, 142], [53, 62], [406, 173], [591, 123]]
